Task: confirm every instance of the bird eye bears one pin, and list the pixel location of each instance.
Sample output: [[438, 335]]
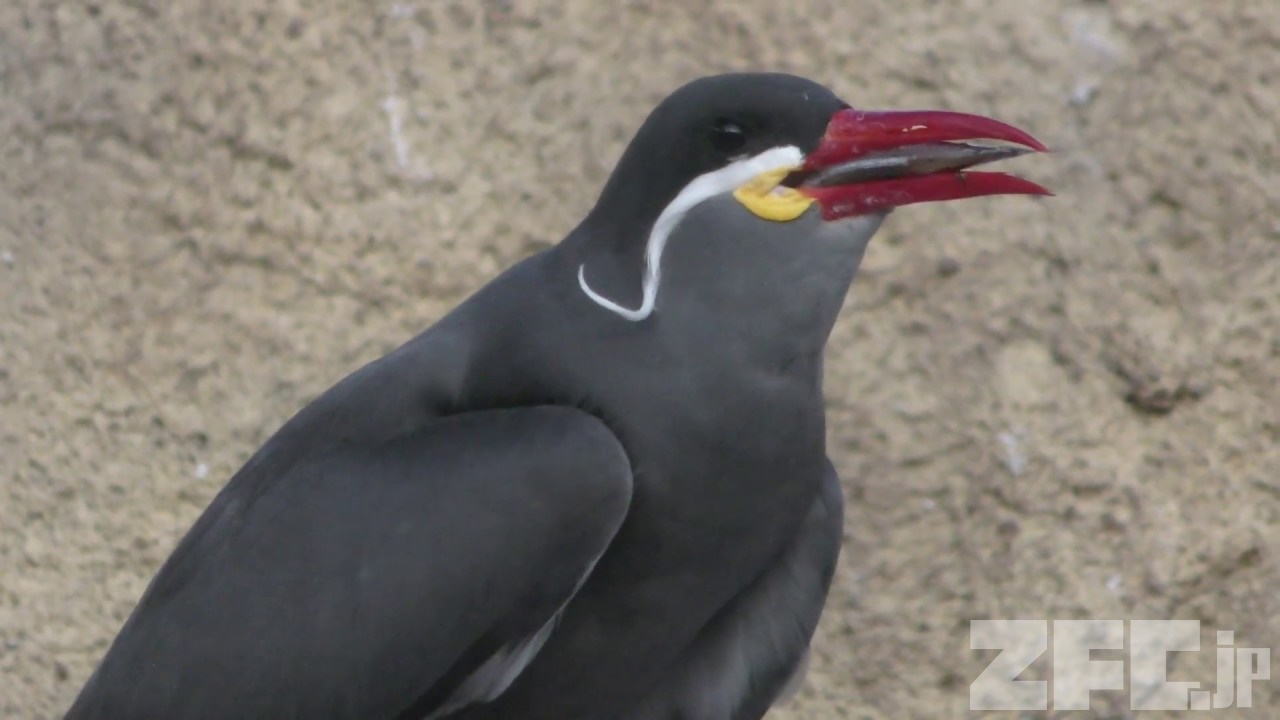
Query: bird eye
[[728, 137]]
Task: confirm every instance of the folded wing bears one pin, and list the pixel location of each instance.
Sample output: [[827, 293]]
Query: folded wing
[[401, 579]]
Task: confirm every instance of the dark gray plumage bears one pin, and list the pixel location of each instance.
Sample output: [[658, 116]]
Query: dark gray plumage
[[538, 509]]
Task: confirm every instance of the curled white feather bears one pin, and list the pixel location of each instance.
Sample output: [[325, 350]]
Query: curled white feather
[[700, 189]]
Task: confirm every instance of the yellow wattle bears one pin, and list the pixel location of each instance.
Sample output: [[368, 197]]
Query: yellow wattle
[[765, 197]]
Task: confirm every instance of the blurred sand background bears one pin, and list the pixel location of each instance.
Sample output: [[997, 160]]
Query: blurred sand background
[[212, 211]]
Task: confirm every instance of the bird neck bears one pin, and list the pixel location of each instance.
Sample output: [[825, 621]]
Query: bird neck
[[610, 252], [738, 295], [777, 317]]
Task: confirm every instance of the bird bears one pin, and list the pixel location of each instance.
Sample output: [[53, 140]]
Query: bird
[[598, 487]]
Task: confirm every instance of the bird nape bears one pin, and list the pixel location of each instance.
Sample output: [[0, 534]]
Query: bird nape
[[597, 488]]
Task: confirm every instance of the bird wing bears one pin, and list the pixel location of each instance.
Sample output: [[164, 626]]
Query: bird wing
[[398, 579], [754, 652]]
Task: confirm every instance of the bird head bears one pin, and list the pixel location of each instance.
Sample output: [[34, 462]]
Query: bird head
[[785, 148]]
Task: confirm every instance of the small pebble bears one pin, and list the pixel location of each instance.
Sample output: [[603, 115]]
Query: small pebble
[[948, 266]]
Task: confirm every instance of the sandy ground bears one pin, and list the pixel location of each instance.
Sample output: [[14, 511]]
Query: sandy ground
[[211, 211]]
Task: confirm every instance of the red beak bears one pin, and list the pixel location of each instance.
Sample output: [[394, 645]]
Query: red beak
[[875, 161]]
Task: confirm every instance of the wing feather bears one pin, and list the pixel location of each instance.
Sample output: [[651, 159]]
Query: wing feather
[[375, 580]]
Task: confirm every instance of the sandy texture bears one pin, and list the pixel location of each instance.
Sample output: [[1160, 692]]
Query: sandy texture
[[211, 211]]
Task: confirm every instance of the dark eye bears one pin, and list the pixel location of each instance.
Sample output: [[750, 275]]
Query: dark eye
[[728, 137]]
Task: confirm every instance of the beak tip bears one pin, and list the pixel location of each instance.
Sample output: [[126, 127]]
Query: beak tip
[[1028, 141], [1037, 190]]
